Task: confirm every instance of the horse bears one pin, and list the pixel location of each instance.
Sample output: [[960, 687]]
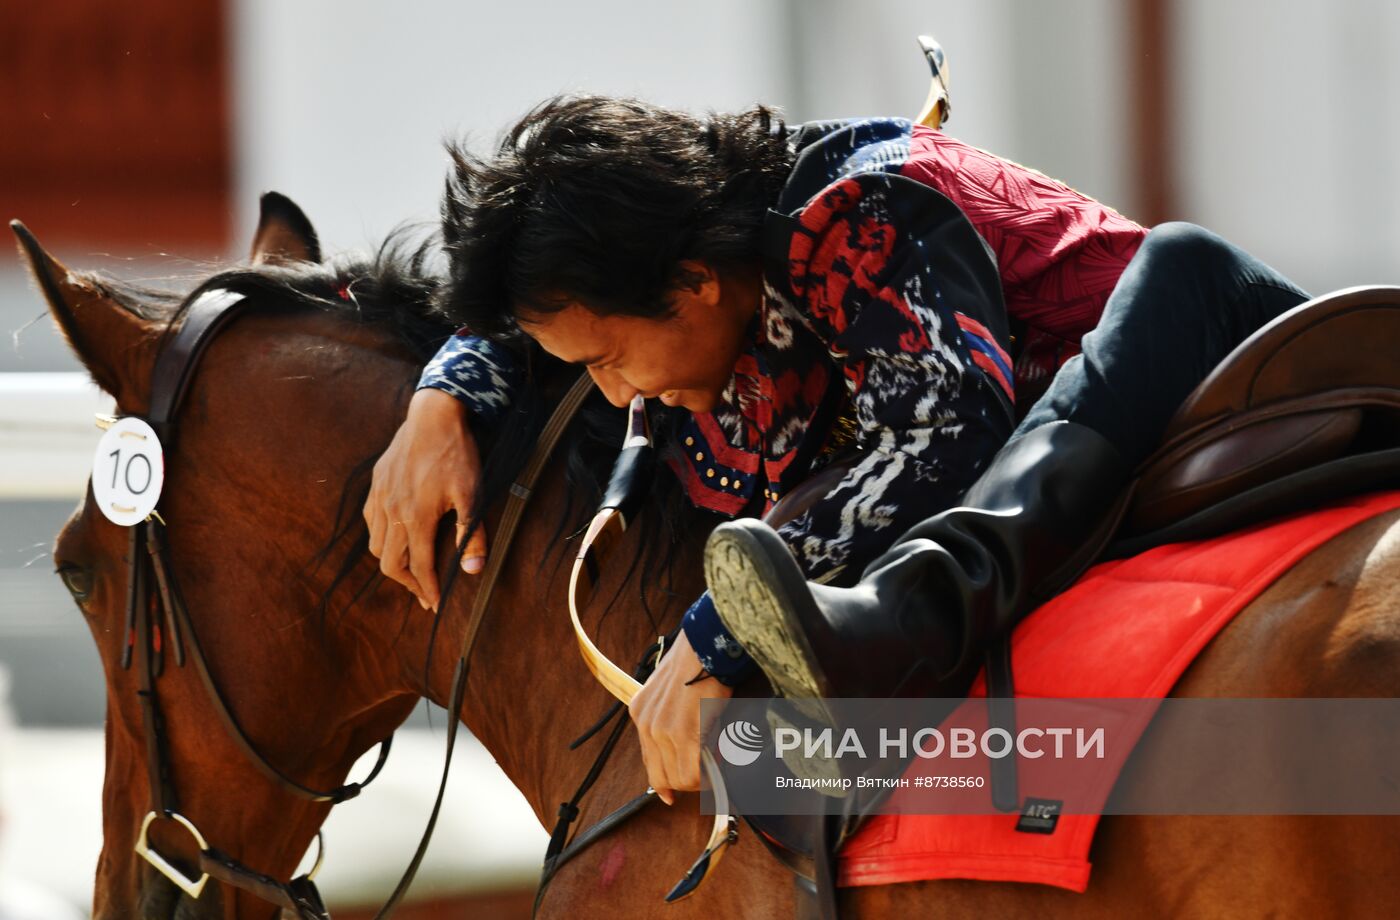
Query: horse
[[320, 657]]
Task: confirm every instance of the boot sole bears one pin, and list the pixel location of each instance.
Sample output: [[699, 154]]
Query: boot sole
[[755, 600]]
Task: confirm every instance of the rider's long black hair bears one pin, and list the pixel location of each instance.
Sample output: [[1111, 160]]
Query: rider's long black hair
[[600, 200]]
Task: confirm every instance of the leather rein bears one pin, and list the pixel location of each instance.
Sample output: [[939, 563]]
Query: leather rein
[[153, 591]]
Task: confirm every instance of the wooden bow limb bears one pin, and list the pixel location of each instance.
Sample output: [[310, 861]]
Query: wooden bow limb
[[937, 106], [626, 490]]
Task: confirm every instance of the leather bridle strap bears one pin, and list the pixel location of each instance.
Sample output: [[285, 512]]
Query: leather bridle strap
[[624, 498], [152, 584], [175, 367], [143, 638], [586, 838], [520, 493], [179, 616], [300, 895], [561, 849], [179, 356]]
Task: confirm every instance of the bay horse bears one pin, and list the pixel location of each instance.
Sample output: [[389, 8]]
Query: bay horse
[[320, 657]]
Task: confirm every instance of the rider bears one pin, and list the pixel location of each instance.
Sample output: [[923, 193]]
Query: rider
[[802, 292]]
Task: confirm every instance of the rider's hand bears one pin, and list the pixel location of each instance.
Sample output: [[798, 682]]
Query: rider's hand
[[667, 714], [430, 468]]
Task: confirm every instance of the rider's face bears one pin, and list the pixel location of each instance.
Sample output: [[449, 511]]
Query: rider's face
[[684, 359]]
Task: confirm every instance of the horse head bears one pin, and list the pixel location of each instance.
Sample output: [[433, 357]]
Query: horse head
[[288, 404]]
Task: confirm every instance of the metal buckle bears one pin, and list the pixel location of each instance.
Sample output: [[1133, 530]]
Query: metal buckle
[[189, 886]]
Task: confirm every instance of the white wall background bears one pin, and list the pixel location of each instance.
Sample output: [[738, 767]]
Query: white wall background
[[1038, 82], [1282, 140], [1288, 142], [344, 105]]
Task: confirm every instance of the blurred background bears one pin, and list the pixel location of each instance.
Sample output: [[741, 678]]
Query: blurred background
[[138, 136]]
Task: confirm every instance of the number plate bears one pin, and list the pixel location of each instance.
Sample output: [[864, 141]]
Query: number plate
[[128, 471]]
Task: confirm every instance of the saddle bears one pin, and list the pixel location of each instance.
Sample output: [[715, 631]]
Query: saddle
[[1306, 410]]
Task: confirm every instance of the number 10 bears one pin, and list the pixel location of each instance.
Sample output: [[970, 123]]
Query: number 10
[[116, 456]]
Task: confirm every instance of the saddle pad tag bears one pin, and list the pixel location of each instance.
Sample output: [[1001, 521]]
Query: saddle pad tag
[[1039, 816]]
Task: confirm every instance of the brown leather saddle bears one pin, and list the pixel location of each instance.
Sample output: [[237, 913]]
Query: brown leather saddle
[[1306, 410]]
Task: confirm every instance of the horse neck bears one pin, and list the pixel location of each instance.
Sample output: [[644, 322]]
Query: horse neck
[[521, 699], [528, 693]]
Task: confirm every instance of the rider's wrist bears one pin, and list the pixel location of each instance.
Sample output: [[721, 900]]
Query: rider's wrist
[[434, 401], [719, 655]]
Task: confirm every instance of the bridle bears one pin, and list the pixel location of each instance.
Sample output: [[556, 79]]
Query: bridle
[[153, 590]]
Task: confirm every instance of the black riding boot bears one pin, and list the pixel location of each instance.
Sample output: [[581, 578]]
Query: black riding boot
[[918, 621]]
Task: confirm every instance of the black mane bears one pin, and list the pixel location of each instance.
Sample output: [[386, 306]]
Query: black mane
[[393, 287]]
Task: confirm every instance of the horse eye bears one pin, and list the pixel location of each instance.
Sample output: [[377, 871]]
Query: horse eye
[[77, 579]]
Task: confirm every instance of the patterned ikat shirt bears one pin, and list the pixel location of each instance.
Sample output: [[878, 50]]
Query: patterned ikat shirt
[[862, 311]]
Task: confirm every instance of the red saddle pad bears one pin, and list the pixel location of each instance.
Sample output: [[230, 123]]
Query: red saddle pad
[[1128, 628]]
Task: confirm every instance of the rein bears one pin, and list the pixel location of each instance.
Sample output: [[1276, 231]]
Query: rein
[[520, 493]]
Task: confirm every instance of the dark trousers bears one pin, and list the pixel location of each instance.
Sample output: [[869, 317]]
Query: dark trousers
[[1184, 302]]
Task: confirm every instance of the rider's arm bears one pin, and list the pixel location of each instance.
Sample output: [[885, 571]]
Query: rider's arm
[[480, 373], [721, 657], [431, 467]]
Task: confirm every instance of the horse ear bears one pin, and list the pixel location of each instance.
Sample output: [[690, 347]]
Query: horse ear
[[115, 344], [284, 233]]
